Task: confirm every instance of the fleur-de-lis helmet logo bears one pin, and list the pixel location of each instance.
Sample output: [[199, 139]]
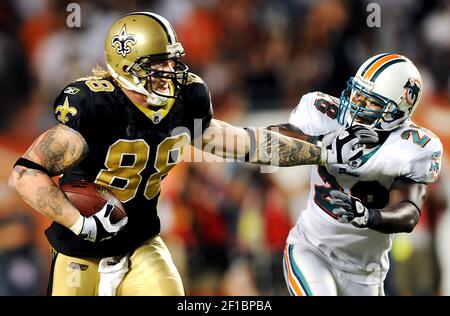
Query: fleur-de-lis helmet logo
[[123, 41]]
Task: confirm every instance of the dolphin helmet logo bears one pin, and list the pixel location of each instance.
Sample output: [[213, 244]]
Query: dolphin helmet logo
[[412, 91]]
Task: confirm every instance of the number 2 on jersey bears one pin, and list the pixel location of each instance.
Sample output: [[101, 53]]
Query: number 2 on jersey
[[419, 141], [127, 159]]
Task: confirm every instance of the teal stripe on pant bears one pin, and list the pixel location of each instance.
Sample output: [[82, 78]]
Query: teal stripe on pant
[[285, 268], [298, 274]]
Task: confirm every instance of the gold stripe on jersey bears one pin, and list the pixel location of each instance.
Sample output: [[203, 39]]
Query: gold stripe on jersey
[[161, 112]]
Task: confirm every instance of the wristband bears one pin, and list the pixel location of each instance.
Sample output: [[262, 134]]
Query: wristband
[[78, 225], [374, 218]]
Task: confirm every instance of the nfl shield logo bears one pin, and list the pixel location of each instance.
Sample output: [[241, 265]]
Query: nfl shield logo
[[156, 118]]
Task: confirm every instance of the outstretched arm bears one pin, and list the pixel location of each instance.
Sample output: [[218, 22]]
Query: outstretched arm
[[55, 150], [260, 146], [273, 148], [263, 146]]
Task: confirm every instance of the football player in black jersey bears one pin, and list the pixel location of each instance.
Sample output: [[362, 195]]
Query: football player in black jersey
[[124, 129]]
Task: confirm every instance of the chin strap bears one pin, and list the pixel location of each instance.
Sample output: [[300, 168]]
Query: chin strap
[[152, 98], [137, 86]]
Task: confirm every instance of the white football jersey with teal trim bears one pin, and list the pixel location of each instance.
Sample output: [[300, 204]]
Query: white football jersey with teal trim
[[408, 151]]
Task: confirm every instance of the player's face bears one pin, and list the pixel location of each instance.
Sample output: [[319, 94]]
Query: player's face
[[363, 101], [157, 83]]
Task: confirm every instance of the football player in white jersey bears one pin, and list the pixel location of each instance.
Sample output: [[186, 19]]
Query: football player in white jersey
[[340, 243]]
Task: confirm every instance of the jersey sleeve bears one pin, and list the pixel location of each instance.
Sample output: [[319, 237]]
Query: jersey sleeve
[[315, 114], [201, 107], [74, 107], [425, 166]]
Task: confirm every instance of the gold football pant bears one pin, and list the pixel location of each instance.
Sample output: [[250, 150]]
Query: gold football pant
[[151, 272]]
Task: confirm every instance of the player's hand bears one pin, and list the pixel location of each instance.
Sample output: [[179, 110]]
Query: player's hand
[[349, 209], [349, 144], [98, 227]]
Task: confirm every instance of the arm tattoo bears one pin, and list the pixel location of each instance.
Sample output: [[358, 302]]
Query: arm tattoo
[[51, 152], [60, 148], [278, 150], [47, 198]]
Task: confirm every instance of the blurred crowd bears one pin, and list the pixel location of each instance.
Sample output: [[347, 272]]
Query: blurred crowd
[[226, 224]]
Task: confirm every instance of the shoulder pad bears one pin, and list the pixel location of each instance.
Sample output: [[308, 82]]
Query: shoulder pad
[[74, 101], [316, 114], [97, 84], [426, 150], [321, 95], [193, 78]]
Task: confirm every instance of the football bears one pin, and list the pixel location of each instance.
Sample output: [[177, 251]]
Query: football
[[89, 198]]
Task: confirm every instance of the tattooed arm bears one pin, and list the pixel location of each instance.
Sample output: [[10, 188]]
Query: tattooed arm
[[56, 150], [260, 146], [279, 150]]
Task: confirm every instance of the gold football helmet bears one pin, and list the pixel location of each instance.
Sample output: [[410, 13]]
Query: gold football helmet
[[135, 42]]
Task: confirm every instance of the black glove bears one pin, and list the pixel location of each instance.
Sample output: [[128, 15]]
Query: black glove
[[98, 227], [349, 209], [349, 144]]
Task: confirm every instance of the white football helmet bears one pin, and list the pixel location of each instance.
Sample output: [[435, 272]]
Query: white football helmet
[[389, 80]]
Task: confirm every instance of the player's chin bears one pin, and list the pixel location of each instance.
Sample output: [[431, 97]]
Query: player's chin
[[364, 120]]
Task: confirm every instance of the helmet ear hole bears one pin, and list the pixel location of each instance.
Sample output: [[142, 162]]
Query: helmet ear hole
[[397, 114], [126, 69]]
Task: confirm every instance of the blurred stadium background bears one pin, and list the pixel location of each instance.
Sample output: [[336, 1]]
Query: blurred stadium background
[[226, 224]]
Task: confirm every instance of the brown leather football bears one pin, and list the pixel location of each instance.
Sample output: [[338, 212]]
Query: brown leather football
[[89, 198]]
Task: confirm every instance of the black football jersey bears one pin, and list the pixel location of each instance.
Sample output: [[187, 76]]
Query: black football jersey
[[131, 149]]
